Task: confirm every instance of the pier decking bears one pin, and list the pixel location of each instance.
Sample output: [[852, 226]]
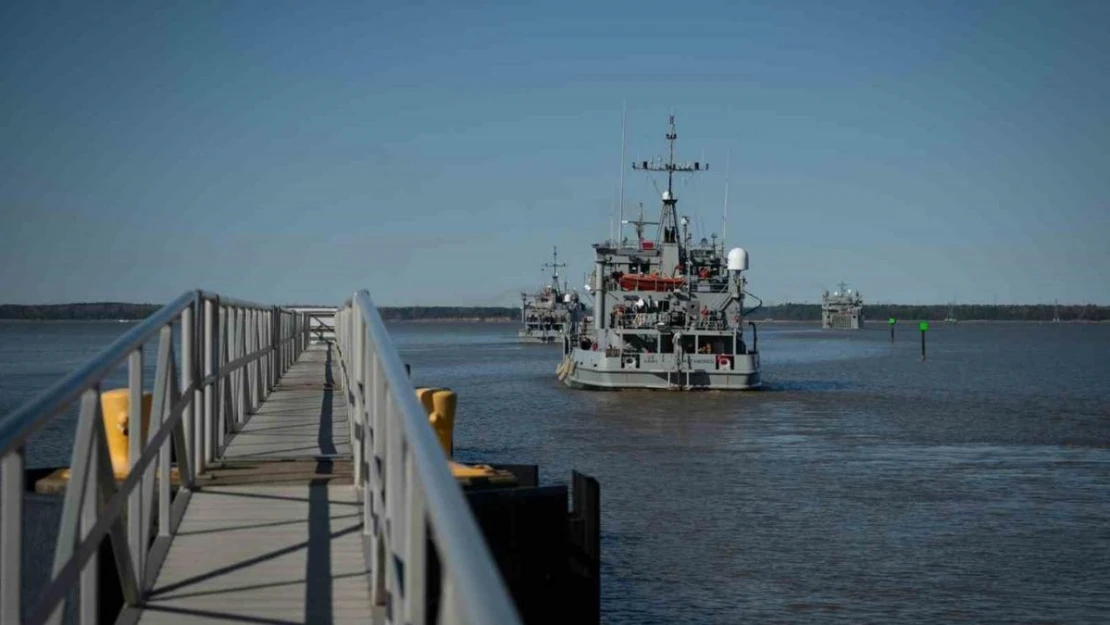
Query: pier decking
[[282, 544]]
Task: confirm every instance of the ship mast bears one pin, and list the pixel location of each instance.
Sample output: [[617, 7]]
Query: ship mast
[[555, 264], [668, 222]]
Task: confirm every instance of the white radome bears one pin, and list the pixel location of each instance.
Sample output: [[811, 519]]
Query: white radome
[[737, 259]]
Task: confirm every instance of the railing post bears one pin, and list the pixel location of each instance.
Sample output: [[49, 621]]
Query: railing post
[[223, 386], [204, 451], [188, 414], [356, 361], [415, 582], [200, 349], [272, 357], [165, 346], [11, 535], [231, 382], [393, 478], [255, 367], [275, 345], [136, 442], [248, 347], [89, 585], [241, 350], [373, 476], [261, 379]]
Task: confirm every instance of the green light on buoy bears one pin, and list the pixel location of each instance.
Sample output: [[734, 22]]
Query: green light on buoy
[[892, 321], [924, 326]]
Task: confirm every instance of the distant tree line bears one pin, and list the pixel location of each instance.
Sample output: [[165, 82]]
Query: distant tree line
[[965, 312], [468, 313], [783, 312], [91, 311]]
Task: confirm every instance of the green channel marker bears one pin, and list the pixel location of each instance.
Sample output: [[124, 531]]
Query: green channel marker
[[924, 326], [892, 321]]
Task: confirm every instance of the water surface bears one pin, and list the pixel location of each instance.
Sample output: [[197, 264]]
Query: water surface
[[864, 486]]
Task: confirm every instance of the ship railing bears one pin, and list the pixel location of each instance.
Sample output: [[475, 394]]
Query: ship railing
[[712, 325], [408, 492], [226, 358], [643, 321]]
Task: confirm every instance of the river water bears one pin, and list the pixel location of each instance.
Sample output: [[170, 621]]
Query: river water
[[863, 486]]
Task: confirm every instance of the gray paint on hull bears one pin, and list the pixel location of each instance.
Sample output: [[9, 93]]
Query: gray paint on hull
[[538, 339], [594, 370]]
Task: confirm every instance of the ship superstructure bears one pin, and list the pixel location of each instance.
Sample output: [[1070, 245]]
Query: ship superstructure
[[545, 314], [668, 312], [842, 309]]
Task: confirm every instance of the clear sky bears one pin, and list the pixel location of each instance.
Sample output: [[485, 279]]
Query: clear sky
[[434, 152]]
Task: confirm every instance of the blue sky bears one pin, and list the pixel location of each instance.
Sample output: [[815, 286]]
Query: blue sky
[[434, 152]]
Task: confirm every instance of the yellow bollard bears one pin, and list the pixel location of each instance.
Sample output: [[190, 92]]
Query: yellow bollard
[[439, 404], [116, 404]]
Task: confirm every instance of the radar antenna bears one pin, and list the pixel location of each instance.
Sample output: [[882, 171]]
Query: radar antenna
[[555, 264], [668, 221]]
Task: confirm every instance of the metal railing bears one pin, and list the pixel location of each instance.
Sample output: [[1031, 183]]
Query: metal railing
[[321, 321], [231, 356], [407, 489]]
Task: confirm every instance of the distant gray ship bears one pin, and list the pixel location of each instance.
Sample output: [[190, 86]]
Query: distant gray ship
[[544, 314], [668, 313], [842, 310]]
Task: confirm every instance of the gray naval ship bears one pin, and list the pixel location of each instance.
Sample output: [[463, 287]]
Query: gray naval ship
[[667, 313], [544, 315], [842, 309]]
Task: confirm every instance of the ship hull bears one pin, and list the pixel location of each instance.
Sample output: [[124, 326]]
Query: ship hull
[[526, 338], [591, 370], [842, 323]]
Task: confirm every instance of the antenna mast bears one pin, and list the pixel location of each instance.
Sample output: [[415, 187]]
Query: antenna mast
[[555, 264], [724, 224], [620, 201], [669, 220]]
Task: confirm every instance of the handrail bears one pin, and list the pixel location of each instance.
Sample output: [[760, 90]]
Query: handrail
[[231, 355], [18, 426], [407, 487]]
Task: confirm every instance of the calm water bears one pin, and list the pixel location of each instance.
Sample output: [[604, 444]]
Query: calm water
[[864, 486]]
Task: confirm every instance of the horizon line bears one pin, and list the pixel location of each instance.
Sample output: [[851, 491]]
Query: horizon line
[[766, 305]]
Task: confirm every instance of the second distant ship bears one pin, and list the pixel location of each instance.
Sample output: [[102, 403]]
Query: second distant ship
[[544, 315], [842, 310]]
